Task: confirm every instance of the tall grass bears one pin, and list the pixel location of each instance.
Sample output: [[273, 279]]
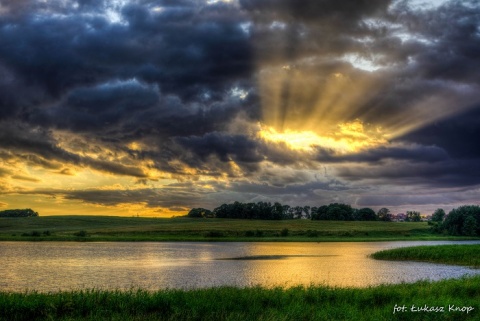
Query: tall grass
[[468, 255], [256, 303]]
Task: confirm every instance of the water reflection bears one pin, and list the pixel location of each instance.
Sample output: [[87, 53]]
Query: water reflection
[[63, 266]]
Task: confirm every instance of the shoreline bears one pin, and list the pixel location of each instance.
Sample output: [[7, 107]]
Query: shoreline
[[247, 240]]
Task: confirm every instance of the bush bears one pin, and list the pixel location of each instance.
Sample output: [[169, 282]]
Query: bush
[[284, 232], [214, 234], [81, 234], [32, 233]]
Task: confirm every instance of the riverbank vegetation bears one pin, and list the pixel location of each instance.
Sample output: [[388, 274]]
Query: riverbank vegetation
[[446, 300], [108, 228], [467, 255]]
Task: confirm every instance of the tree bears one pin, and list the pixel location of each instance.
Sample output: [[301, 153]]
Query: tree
[[297, 212], [306, 210], [457, 222], [413, 216], [221, 211], [365, 214], [199, 213], [340, 212], [333, 212], [288, 212], [384, 214], [19, 213], [277, 211], [438, 215], [469, 227]]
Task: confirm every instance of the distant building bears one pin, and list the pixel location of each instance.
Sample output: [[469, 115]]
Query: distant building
[[400, 217]]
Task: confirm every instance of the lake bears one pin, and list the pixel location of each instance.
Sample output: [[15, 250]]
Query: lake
[[56, 266]]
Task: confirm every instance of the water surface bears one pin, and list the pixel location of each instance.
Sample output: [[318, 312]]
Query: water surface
[[54, 266]]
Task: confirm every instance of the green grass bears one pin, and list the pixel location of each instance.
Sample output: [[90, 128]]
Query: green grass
[[468, 255], [255, 303], [108, 228]]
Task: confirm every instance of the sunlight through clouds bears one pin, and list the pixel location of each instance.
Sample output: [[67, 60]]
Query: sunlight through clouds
[[152, 106]]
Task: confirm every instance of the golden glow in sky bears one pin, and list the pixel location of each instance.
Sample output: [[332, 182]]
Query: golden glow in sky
[[349, 138]]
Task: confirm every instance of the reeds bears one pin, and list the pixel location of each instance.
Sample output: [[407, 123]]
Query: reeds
[[254, 303], [468, 255]]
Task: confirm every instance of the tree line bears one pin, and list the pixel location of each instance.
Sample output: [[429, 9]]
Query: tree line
[[462, 221], [277, 211], [18, 213]]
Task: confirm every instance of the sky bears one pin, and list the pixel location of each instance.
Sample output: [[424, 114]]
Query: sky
[[150, 108]]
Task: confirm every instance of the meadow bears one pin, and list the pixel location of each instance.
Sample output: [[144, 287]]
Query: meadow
[[108, 228]]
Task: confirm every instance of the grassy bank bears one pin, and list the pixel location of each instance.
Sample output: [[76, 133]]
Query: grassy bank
[[107, 228], [468, 255], [227, 303]]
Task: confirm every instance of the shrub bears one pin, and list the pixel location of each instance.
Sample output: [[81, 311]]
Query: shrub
[[32, 233], [214, 234], [81, 234]]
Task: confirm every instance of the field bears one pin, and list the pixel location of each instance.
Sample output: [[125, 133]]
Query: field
[[443, 300], [468, 255], [107, 228]]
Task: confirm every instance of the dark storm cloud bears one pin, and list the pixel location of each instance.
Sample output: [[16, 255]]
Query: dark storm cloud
[[200, 51], [402, 200], [246, 151], [190, 194], [101, 107], [165, 197], [455, 42], [152, 75], [163, 73], [37, 145], [321, 11], [442, 174], [457, 134], [225, 147], [412, 153]]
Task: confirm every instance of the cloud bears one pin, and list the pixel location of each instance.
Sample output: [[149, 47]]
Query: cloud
[[413, 153], [164, 197], [154, 90], [39, 146], [455, 134]]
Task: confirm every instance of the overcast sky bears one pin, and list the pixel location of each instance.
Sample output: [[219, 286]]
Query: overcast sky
[[126, 107]]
